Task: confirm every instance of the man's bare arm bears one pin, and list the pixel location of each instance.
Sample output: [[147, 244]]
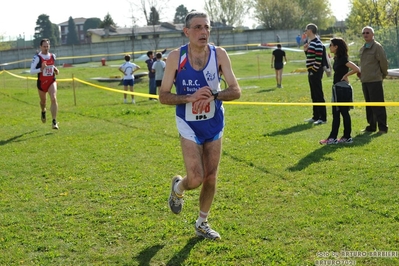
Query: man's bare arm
[[233, 91]]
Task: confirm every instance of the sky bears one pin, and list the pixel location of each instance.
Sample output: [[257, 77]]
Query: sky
[[22, 23]]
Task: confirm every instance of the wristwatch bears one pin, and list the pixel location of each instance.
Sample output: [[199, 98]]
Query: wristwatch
[[215, 95]]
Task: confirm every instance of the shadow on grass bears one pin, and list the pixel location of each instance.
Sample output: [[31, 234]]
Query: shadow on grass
[[15, 138], [145, 256], [16, 99], [290, 130], [250, 164], [266, 90], [181, 256], [319, 154]]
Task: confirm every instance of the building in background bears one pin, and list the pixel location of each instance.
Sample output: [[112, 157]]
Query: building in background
[[111, 34], [79, 22]]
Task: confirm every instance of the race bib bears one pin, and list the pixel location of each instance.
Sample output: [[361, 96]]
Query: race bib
[[193, 115], [48, 71]]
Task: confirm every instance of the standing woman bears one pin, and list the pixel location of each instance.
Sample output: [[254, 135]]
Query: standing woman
[[341, 66]]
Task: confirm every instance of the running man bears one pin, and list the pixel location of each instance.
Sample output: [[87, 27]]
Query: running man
[[43, 64], [195, 70]]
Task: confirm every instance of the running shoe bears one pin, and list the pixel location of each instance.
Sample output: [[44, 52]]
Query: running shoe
[[175, 201], [368, 129], [328, 141], [310, 120], [205, 231], [55, 124], [345, 140], [43, 117], [319, 122]]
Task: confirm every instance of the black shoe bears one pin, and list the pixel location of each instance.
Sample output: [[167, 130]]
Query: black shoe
[[368, 129], [44, 117], [55, 124]]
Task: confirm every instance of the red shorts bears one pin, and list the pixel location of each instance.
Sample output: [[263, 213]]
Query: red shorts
[[44, 85]]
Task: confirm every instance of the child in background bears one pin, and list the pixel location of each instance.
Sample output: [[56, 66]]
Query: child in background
[[128, 69]]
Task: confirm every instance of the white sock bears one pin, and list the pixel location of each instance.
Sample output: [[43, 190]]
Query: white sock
[[201, 218], [177, 188]]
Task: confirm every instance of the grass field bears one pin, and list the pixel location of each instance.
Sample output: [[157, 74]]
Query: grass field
[[95, 192]]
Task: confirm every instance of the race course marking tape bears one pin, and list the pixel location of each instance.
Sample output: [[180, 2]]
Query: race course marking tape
[[225, 102]]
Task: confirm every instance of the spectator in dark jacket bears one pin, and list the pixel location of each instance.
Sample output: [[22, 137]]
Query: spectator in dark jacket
[[151, 75]]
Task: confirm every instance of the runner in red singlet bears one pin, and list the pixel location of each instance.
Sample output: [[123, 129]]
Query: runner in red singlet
[[43, 64]]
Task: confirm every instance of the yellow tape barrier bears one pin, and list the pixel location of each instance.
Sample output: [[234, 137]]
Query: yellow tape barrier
[[31, 78], [319, 104], [87, 83], [232, 102], [118, 91]]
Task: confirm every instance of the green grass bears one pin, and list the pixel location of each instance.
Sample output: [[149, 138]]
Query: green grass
[[95, 192]]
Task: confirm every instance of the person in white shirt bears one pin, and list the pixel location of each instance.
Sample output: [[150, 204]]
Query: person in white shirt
[[128, 68]]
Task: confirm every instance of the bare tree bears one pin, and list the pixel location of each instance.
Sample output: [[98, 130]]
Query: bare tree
[[134, 24], [150, 9]]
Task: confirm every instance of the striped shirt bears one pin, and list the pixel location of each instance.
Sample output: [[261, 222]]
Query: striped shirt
[[314, 55]]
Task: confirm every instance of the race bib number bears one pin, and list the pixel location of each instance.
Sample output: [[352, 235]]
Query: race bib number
[[193, 115], [48, 71]]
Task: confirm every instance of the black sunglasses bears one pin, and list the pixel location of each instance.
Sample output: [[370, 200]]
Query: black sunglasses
[[366, 32]]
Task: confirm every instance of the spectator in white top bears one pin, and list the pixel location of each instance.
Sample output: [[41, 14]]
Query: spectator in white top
[[128, 68]]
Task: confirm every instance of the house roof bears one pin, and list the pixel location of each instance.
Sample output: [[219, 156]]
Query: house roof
[[164, 27], [78, 21]]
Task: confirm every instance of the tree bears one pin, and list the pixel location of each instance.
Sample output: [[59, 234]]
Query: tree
[[383, 16], [44, 29], [153, 5], [57, 34], [317, 12], [278, 14], [154, 17], [91, 23], [72, 36], [3, 44], [107, 22], [375, 13], [224, 13], [180, 15], [229, 12], [291, 14]]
